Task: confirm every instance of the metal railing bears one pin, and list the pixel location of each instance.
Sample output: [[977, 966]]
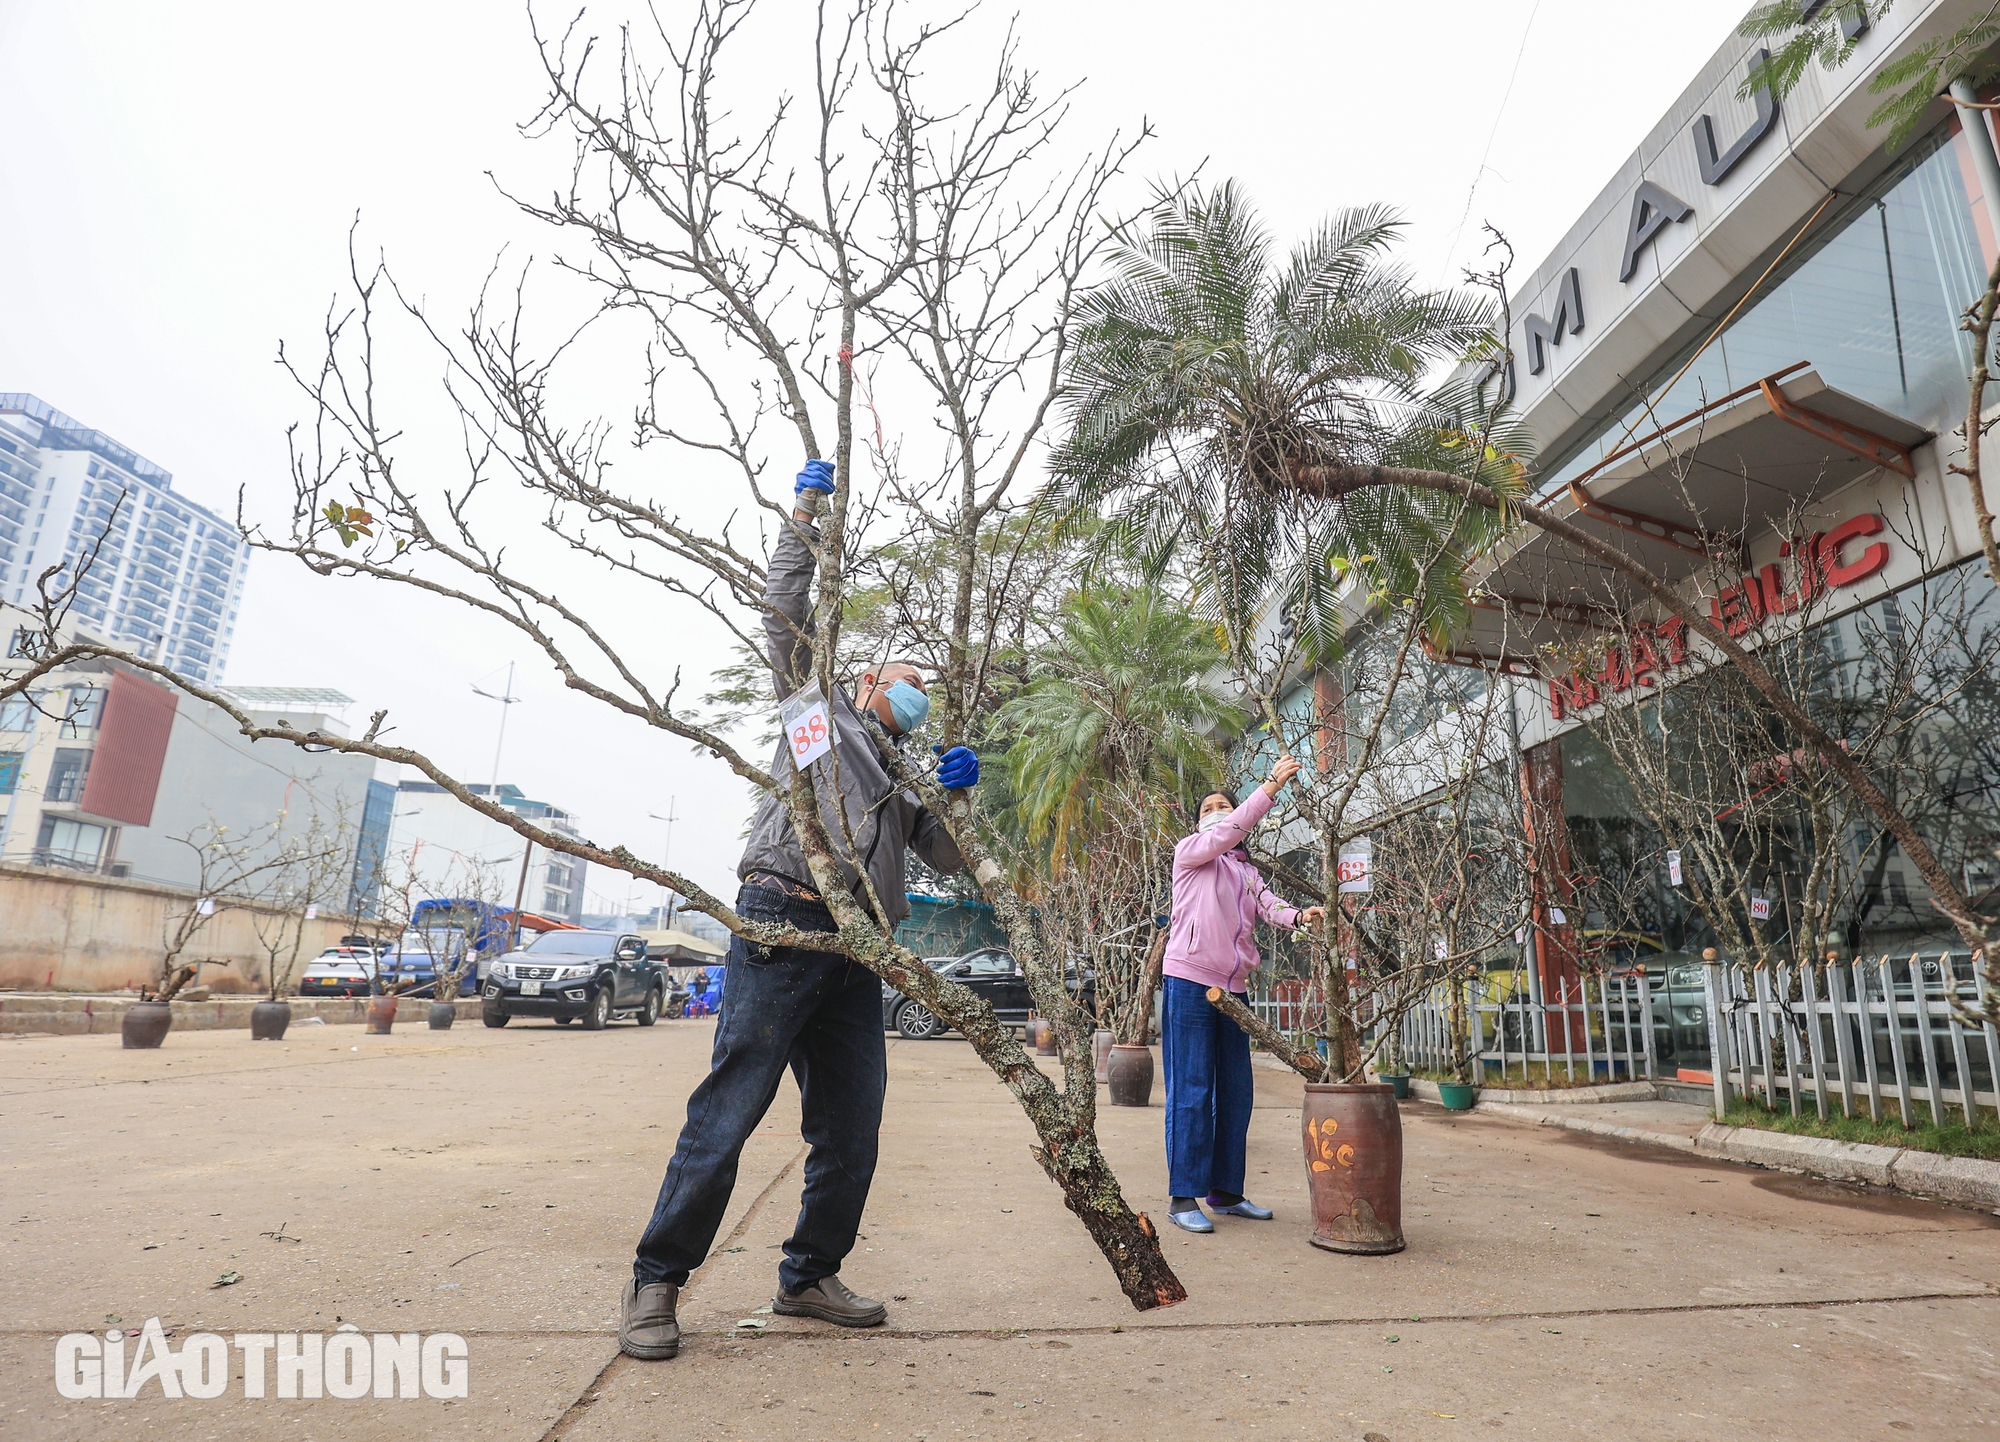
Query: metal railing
[[1596, 1028], [1862, 1034]]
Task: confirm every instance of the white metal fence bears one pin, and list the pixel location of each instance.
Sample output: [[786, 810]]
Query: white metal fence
[[1861, 1034], [1598, 1028]]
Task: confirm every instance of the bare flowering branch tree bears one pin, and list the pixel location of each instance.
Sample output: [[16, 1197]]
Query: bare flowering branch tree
[[867, 249], [309, 871], [229, 869]]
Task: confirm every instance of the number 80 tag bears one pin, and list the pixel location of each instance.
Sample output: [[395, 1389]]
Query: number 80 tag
[[808, 729]]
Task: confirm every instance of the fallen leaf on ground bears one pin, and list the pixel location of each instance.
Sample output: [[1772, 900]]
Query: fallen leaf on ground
[[227, 1279]]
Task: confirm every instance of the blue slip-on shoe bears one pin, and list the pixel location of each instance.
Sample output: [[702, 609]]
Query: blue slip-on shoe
[[1191, 1221], [1244, 1208]]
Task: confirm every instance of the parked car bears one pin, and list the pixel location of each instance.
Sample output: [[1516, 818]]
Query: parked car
[[989, 973], [340, 971], [412, 964], [567, 975]]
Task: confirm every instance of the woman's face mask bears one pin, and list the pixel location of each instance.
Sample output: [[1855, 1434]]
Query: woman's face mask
[[908, 705], [1213, 820]]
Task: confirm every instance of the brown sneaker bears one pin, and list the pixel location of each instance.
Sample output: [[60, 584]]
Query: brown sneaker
[[829, 1300], [647, 1329]]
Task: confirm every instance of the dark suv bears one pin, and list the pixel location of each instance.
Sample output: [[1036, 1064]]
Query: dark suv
[[564, 975], [992, 974]]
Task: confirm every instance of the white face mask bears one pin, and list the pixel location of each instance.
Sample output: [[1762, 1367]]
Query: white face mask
[[1212, 820]]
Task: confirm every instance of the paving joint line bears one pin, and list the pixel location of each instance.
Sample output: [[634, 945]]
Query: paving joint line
[[1002, 1334], [610, 1371]]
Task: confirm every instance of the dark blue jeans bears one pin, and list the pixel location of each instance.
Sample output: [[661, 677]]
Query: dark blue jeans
[[820, 1015], [1209, 1092]]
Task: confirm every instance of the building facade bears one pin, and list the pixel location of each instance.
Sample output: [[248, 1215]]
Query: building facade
[[1744, 367], [104, 769], [167, 578], [446, 848]]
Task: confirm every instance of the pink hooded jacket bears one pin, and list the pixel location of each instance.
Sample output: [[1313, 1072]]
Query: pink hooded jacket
[[1218, 896]]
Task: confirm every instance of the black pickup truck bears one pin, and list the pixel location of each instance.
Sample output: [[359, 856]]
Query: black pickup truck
[[571, 975]]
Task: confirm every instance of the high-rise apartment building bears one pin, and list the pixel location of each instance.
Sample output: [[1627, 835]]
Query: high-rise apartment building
[[168, 578]]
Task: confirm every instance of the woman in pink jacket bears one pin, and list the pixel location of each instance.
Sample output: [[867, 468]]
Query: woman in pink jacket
[[1218, 898]]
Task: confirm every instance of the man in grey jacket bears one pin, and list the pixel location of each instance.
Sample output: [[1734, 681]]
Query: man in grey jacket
[[815, 1012]]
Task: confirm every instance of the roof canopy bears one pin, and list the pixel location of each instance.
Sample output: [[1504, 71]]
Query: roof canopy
[[1677, 499], [674, 944]]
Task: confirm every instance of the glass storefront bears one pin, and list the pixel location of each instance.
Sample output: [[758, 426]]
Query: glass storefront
[[1874, 305], [1911, 682]]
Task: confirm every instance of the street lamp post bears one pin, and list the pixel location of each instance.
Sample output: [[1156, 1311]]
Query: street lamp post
[[506, 698], [666, 858]]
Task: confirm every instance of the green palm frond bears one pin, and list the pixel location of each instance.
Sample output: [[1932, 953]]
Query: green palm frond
[[1123, 703], [1205, 376]]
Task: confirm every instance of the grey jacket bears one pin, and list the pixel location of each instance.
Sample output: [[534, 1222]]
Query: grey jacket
[[885, 820]]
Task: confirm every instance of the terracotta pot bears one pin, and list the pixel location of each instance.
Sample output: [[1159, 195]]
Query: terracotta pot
[[1045, 1042], [145, 1023], [268, 1020], [1354, 1167], [381, 1014], [1100, 1053], [1129, 1075], [442, 1015]]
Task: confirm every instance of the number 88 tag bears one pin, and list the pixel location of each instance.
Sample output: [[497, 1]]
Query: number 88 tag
[[808, 729]]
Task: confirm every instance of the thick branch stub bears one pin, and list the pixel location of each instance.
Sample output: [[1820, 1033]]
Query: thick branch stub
[[1306, 1063]]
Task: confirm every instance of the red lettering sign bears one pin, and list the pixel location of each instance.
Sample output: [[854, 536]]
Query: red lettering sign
[[1819, 564]]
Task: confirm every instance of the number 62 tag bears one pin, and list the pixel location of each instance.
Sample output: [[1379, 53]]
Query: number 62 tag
[[807, 727]]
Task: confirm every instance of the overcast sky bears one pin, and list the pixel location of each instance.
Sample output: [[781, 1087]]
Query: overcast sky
[[178, 182]]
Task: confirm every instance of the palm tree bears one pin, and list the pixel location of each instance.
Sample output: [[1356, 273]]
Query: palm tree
[[1208, 384], [1122, 709], [1120, 721]]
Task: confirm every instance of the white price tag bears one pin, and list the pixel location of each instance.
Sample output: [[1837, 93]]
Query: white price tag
[[1674, 868], [807, 727], [205, 907], [1760, 906], [1556, 916], [1355, 860], [312, 913]]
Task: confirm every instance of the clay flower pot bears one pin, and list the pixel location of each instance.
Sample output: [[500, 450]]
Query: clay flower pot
[[1045, 1040], [1100, 1053], [1129, 1075], [381, 1014], [1354, 1167], [145, 1023], [268, 1020], [442, 1015]]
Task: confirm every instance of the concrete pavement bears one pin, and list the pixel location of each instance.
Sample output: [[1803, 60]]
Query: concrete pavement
[[491, 1184]]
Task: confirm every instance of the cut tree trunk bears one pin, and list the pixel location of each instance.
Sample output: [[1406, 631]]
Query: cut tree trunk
[[1306, 1063], [1064, 1119]]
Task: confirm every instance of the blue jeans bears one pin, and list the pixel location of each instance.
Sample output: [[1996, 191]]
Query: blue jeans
[[820, 1015], [1209, 1091]]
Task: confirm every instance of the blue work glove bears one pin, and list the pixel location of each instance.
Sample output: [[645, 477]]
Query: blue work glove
[[817, 476], [958, 769]]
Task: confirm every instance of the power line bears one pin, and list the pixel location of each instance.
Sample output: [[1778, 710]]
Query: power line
[[1491, 135]]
